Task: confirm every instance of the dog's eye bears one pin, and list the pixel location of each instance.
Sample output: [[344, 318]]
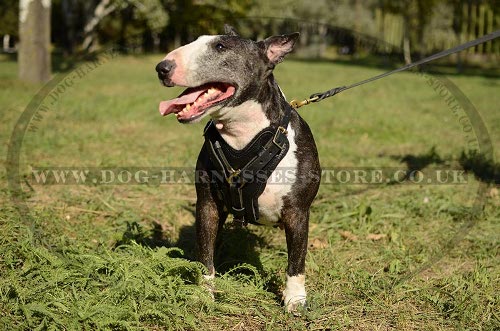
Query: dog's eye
[[220, 47]]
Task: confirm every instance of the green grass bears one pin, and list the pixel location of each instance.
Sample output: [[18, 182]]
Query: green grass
[[109, 258]]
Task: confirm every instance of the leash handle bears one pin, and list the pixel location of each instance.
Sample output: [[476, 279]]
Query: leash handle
[[330, 93]]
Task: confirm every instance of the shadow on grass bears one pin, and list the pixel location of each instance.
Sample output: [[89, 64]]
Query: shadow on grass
[[415, 163], [483, 168], [419, 162], [235, 244]]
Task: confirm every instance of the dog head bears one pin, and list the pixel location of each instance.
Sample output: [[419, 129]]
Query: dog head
[[219, 71]]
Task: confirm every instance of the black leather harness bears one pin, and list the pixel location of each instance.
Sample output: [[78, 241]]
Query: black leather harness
[[239, 176]]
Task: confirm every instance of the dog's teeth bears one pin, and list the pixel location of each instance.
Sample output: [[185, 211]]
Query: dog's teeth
[[188, 107]]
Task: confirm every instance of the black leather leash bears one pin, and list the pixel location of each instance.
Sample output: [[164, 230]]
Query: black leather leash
[[330, 93]]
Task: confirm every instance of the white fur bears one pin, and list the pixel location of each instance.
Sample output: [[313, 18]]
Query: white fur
[[294, 294], [240, 124], [186, 58], [192, 51], [209, 277], [279, 184], [208, 283]]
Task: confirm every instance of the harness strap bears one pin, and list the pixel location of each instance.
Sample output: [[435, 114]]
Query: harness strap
[[268, 152], [241, 187]]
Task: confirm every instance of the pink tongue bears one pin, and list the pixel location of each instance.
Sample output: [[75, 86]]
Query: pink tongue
[[169, 106]]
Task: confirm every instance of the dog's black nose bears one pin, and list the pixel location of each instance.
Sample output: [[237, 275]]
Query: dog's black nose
[[163, 68]]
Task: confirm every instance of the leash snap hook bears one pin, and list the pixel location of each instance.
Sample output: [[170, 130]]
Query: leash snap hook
[[297, 104]]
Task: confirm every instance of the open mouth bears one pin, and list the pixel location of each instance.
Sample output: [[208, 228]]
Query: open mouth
[[194, 101]]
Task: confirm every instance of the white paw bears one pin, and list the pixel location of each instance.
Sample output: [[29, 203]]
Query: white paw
[[208, 284], [294, 295]]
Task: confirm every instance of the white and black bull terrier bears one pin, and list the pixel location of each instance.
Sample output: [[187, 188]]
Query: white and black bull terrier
[[230, 79]]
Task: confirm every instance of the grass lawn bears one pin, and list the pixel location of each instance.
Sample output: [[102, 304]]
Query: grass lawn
[[382, 257]]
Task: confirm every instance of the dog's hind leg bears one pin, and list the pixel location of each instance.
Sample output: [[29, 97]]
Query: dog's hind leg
[[296, 224]]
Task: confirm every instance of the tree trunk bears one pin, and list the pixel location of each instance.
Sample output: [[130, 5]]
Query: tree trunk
[[156, 41], [322, 30], [6, 43], [406, 41], [103, 8], [34, 34], [69, 15]]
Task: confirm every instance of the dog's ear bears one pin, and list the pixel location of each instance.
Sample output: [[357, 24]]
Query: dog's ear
[[277, 47], [230, 31]]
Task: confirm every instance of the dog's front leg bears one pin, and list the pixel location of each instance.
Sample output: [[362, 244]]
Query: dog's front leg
[[296, 224], [209, 220], [207, 226], [210, 216]]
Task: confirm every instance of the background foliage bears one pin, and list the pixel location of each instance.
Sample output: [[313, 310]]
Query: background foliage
[[153, 25]]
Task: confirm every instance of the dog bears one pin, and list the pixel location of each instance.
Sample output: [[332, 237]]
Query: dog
[[230, 79]]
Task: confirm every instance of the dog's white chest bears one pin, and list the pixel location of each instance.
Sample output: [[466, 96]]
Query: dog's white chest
[[279, 184]]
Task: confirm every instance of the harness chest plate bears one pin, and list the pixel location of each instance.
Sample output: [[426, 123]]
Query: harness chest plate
[[240, 176]]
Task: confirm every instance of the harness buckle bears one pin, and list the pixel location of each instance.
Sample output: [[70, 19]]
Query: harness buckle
[[232, 176], [281, 130]]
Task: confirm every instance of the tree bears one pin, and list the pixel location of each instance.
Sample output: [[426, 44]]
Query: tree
[[9, 17], [149, 11], [416, 15], [34, 34], [103, 8], [189, 18]]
